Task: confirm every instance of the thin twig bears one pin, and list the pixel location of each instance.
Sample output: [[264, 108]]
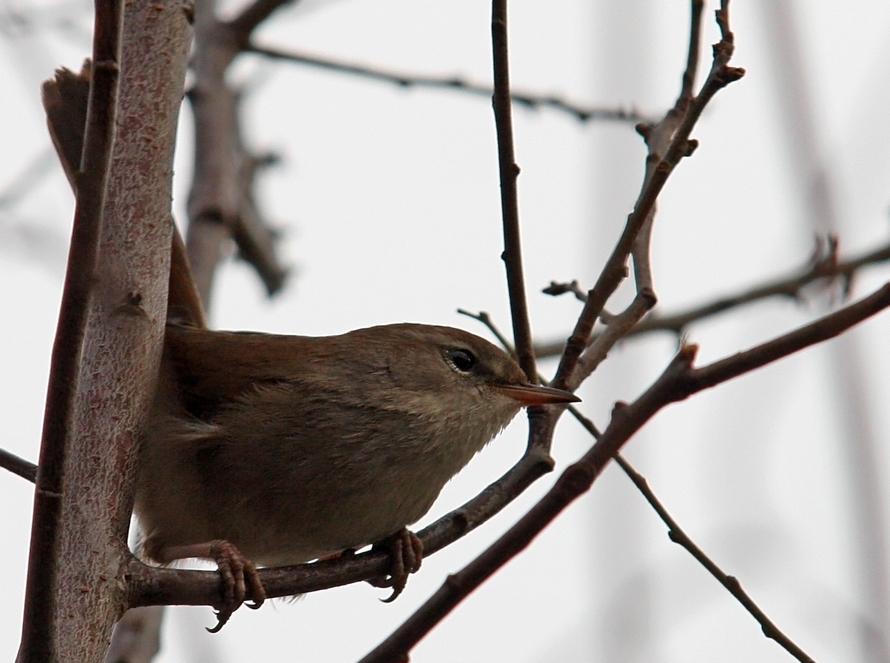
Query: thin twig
[[679, 381], [17, 465], [532, 100], [486, 320], [679, 536], [618, 327], [791, 286], [692, 55], [557, 288], [731, 583], [509, 172]]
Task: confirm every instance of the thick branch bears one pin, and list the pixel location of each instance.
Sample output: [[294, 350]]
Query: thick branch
[[120, 347], [221, 202], [40, 629]]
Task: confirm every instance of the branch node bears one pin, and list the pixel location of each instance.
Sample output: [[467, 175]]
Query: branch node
[[644, 129], [648, 297], [452, 582], [106, 65]]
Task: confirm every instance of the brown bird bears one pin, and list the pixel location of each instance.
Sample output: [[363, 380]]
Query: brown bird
[[284, 449]]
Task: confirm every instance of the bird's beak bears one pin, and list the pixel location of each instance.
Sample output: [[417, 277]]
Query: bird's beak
[[533, 394]]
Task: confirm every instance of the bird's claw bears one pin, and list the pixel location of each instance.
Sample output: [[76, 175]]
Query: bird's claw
[[237, 573], [406, 552]]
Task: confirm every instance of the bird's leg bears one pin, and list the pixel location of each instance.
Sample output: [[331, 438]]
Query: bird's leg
[[237, 574], [406, 551]]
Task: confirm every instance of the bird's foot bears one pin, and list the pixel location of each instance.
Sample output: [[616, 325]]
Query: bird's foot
[[406, 551], [237, 573]]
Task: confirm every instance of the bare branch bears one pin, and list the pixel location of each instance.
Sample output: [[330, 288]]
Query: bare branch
[[23, 468], [614, 271], [617, 328], [821, 330], [679, 536], [820, 267], [731, 583], [532, 100], [789, 286], [556, 288], [253, 236], [509, 172], [221, 201], [692, 56], [40, 620], [486, 320], [73, 598], [658, 139]]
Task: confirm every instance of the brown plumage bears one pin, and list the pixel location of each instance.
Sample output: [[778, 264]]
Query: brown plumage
[[292, 448]]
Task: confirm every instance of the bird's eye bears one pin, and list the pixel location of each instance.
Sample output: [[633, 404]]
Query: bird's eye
[[463, 360]]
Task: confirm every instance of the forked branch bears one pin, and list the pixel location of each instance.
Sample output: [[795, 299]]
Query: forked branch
[[614, 271]]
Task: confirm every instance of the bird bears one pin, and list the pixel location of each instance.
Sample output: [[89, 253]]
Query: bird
[[265, 449]]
